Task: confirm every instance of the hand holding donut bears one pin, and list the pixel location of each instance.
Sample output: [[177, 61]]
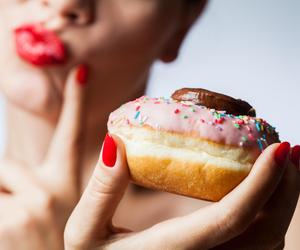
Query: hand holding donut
[[251, 216], [185, 146]]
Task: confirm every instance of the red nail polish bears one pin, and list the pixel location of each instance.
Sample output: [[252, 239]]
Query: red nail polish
[[82, 74], [282, 152], [295, 155], [109, 151]]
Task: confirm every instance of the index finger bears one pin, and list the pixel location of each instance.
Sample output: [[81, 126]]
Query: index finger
[[64, 150]]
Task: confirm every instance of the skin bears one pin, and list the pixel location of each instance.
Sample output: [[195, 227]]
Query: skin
[[243, 219], [55, 125]]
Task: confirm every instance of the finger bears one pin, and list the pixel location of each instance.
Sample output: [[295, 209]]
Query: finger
[[281, 206], [226, 219], [101, 197], [295, 156], [14, 179], [19, 182], [65, 147], [277, 214], [270, 225]]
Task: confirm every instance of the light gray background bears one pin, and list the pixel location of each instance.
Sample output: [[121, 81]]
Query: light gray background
[[247, 49]]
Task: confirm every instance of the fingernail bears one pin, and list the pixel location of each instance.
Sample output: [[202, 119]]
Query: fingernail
[[109, 151], [295, 156], [282, 153], [82, 74]]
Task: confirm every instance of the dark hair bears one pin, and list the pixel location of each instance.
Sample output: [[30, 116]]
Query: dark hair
[[202, 2], [196, 1]]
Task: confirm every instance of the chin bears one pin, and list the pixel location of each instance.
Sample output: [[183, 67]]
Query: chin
[[33, 93]]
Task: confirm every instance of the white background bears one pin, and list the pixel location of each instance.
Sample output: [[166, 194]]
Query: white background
[[249, 49], [245, 48]]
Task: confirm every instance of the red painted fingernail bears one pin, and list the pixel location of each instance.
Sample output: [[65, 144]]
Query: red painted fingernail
[[82, 74], [109, 151], [295, 155], [282, 152]]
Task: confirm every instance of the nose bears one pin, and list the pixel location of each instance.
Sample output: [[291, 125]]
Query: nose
[[76, 12]]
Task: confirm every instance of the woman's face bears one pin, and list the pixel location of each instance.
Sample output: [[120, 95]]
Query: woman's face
[[117, 39]]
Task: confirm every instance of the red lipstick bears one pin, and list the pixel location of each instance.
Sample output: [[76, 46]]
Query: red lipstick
[[39, 46]]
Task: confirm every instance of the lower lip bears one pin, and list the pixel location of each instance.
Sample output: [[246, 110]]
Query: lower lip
[[39, 46]]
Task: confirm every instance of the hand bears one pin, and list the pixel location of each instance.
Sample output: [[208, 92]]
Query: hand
[[255, 215], [35, 202], [268, 229]]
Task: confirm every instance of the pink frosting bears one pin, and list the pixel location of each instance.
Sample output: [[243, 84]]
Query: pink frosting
[[173, 116]]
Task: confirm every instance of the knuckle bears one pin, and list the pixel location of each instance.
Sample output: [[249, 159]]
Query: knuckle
[[72, 238], [102, 189], [45, 205], [102, 185], [231, 222], [46, 202]]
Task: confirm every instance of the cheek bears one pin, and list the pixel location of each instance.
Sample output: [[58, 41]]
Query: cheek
[[31, 90], [135, 35], [142, 30]]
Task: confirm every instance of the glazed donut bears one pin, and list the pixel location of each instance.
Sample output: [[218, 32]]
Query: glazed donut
[[183, 146]]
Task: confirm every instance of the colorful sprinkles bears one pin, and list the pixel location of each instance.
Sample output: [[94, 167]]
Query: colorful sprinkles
[[176, 111], [218, 120], [137, 114], [260, 145]]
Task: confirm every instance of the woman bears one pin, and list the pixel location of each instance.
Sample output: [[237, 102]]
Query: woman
[[55, 124]]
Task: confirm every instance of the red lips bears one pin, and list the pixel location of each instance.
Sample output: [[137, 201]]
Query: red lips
[[39, 46]]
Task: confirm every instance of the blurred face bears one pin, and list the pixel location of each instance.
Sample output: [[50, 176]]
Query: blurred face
[[117, 39]]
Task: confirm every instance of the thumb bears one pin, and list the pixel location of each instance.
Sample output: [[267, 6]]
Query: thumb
[[91, 220], [230, 217]]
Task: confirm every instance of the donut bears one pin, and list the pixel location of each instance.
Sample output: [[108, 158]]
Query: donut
[[186, 146]]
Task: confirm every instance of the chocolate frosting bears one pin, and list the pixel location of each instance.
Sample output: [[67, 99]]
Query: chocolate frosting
[[215, 101]]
